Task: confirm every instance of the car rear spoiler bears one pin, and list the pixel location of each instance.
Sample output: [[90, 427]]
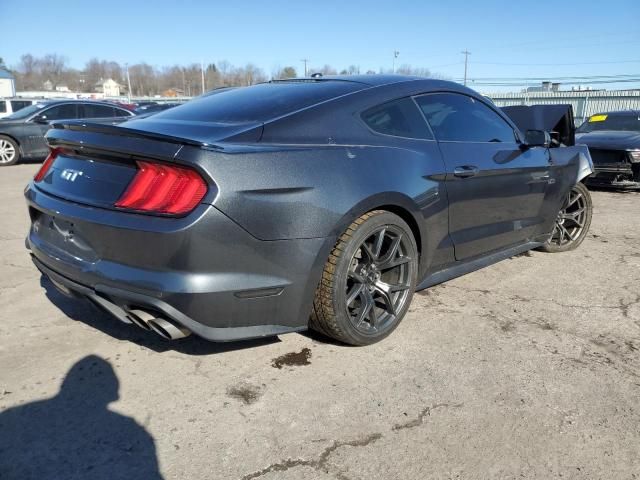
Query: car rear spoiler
[[129, 132], [556, 119]]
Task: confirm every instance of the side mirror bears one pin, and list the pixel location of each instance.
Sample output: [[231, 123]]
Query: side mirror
[[40, 119], [537, 138]]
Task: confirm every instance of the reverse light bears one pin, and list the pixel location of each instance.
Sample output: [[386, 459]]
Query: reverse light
[[46, 165], [162, 188]]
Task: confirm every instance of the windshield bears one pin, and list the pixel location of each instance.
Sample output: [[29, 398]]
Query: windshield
[[26, 112], [603, 121]]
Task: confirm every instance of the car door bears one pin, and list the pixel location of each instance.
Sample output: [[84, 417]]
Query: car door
[[40, 124], [496, 188]]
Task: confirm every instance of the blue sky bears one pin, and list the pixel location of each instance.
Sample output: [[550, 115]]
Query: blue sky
[[507, 38]]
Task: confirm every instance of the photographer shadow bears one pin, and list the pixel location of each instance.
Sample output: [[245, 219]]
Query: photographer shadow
[[74, 435]]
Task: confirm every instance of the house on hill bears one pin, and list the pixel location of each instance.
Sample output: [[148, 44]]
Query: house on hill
[[109, 87]]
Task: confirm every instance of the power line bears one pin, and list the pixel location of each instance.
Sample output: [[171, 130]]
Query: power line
[[614, 62], [547, 77]]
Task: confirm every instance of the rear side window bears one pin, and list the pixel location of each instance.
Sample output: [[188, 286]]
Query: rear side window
[[96, 111], [119, 112], [3, 106], [459, 118], [259, 102], [400, 118]]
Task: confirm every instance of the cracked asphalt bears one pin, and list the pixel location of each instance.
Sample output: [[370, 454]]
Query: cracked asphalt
[[529, 368]]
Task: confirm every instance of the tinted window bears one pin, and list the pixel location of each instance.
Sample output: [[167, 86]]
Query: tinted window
[[19, 104], [97, 111], [259, 102], [27, 111], [604, 121], [400, 118], [455, 117], [120, 112], [3, 106], [61, 112]]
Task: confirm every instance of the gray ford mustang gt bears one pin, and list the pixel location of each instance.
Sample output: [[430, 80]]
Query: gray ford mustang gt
[[322, 203]]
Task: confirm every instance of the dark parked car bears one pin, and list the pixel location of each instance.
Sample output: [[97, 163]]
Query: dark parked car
[[613, 139], [22, 133], [321, 203], [154, 108]]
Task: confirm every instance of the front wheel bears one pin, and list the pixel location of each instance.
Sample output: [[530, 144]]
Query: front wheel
[[573, 221], [9, 151], [368, 281]]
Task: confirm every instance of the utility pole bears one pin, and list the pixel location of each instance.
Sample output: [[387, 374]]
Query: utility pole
[[466, 54], [128, 83], [305, 60], [395, 55], [202, 71]]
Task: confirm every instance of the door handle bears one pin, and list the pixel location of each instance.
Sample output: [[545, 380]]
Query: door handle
[[465, 171]]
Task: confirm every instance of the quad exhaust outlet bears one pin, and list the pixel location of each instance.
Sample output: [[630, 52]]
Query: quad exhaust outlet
[[151, 322]]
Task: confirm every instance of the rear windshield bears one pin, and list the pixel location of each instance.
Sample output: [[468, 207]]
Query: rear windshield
[[603, 121], [259, 102]]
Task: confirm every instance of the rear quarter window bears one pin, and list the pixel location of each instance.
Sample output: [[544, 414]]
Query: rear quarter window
[[400, 118], [259, 102]]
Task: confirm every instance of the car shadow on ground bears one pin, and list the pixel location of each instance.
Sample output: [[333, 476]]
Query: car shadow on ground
[[599, 188], [74, 434], [84, 311]]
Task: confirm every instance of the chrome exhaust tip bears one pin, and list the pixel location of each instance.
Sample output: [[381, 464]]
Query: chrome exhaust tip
[[167, 329], [140, 318]]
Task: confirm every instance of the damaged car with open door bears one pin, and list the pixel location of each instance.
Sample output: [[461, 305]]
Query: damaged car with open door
[[558, 122]]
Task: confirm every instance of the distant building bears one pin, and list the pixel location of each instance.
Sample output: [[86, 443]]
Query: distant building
[[48, 85], [173, 92], [62, 88], [7, 84], [109, 88], [544, 87]]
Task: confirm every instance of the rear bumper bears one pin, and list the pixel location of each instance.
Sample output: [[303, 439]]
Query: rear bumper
[[204, 272]]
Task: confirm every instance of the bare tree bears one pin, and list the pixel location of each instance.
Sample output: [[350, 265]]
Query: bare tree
[[325, 70], [52, 67], [284, 73]]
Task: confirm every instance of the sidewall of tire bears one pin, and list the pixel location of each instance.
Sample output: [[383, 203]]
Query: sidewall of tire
[[16, 147], [552, 248], [363, 231]]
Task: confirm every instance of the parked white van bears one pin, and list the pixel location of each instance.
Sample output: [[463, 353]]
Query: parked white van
[[11, 105]]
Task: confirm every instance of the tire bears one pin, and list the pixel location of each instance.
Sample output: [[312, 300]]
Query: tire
[[368, 281], [573, 221], [9, 151]]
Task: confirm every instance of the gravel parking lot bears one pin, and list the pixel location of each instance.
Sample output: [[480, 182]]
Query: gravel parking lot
[[529, 368]]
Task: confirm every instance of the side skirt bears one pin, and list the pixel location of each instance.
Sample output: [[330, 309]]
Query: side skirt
[[459, 269]]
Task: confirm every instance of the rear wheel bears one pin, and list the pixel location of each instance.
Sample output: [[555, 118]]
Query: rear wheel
[[368, 281], [573, 221], [9, 151]]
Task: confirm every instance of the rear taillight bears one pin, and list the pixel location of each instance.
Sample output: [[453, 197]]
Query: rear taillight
[[162, 188], [46, 165]]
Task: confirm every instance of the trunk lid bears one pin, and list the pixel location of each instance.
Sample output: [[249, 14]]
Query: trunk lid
[[94, 164]]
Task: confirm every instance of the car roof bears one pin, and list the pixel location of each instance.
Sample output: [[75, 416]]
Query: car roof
[[371, 80], [74, 100]]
